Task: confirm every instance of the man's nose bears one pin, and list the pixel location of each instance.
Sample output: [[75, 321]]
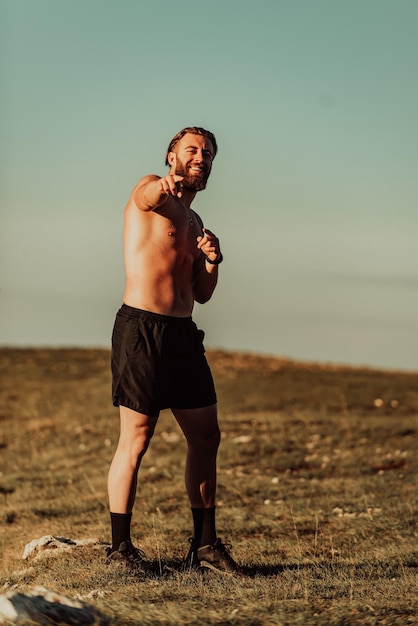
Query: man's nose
[[198, 157]]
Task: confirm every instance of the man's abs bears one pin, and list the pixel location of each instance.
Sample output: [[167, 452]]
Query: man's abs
[[167, 295]]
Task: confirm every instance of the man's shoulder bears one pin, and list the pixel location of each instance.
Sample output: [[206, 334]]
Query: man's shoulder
[[144, 181], [198, 219], [148, 177], [137, 192]]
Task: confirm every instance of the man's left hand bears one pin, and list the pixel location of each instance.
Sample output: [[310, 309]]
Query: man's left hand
[[209, 245]]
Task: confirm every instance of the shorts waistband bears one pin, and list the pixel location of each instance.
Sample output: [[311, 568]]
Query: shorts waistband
[[157, 317]]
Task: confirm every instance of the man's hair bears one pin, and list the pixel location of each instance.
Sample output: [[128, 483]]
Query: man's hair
[[193, 130]]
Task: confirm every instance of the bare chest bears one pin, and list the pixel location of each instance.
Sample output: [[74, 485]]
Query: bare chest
[[179, 228]]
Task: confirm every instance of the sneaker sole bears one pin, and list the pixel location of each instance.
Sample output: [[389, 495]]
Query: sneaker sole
[[205, 565], [127, 567]]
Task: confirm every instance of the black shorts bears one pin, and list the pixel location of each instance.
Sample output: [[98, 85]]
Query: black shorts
[[159, 362]]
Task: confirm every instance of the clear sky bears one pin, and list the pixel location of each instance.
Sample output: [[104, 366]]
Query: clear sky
[[313, 193]]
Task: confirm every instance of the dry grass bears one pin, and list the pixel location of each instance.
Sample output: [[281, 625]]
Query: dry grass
[[317, 492]]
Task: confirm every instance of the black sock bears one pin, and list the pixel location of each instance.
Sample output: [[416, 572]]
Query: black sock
[[204, 526], [121, 528]]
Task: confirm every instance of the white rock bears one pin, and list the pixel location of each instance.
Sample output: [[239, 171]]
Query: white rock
[[49, 544], [47, 606], [242, 439], [7, 610]]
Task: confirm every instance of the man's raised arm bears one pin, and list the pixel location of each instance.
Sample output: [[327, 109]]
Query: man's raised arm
[[152, 191]]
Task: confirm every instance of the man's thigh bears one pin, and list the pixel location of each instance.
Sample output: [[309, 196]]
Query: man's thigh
[[134, 425], [198, 424]]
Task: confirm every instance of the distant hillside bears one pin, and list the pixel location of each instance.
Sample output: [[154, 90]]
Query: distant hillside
[[244, 381]]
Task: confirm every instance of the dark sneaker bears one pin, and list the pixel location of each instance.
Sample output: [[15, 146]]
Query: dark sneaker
[[128, 556], [217, 558], [191, 561]]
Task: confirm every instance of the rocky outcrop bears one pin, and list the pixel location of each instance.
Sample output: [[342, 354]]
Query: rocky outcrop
[[45, 607]]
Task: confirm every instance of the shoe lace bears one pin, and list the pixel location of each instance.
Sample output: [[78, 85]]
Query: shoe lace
[[222, 547], [192, 554], [134, 554]]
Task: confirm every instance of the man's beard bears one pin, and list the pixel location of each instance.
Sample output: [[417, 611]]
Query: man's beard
[[195, 182]]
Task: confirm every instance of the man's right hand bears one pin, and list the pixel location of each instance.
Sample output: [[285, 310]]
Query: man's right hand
[[170, 185]]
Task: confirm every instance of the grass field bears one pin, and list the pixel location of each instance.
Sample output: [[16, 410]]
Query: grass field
[[317, 492]]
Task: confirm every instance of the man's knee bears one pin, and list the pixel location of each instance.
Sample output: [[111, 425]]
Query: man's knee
[[135, 436], [207, 443], [140, 441], [216, 438]]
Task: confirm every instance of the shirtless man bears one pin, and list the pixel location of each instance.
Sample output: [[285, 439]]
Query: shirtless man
[[158, 358]]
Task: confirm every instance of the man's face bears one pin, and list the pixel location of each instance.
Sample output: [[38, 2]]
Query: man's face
[[192, 158]]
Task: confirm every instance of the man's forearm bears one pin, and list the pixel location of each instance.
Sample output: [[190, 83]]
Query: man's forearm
[[205, 283], [152, 196]]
